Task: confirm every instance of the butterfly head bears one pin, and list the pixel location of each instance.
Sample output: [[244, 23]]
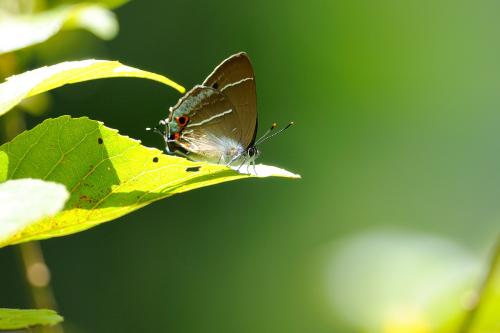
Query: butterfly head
[[252, 153]]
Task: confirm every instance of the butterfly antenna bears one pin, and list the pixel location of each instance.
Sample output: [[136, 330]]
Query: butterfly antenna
[[266, 136], [273, 126], [156, 129]]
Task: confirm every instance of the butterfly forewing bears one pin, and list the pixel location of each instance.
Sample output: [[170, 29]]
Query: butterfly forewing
[[234, 78]]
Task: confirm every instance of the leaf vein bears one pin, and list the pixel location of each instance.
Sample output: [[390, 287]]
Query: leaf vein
[[103, 159], [27, 151], [133, 178], [63, 154]]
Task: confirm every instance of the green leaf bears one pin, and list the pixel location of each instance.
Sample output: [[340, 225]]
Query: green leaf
[[108, 175], [20, 31], [25, 201], [111, 4], [415, 281], [18, 87], [13, 319]]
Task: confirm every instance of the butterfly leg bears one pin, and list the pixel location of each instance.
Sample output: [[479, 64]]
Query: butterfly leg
[[167, 147], [242, 163], [235, 158], [252, 164]]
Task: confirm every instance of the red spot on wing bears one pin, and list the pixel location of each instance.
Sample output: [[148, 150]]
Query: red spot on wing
[[182, 121]]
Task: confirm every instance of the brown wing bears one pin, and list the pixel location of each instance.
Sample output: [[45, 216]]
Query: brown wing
[[234, 77], [213, 132]]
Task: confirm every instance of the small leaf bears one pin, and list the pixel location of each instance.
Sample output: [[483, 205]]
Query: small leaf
[[108, 175], [18, 87], [14, 319], [96, 19], [25, 201], [20, 31]]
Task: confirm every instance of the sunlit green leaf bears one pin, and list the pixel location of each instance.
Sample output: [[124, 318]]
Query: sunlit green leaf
[[13, 319], [19, 87], [108, 175], [20, 31], [25, 201]]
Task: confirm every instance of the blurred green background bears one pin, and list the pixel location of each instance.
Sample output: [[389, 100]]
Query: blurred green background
[[397, 112]]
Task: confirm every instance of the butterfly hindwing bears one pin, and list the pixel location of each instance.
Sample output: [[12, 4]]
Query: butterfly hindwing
[[212, 131]]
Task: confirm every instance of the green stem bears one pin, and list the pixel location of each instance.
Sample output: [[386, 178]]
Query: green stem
[[480, 295], [37, 276]]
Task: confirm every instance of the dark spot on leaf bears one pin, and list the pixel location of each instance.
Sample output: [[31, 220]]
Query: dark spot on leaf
[[86, 198], [155, 159], [99, 141], [193, 169], [215, 85]]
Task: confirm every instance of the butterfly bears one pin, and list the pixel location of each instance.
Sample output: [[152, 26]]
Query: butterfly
[[216, 121]]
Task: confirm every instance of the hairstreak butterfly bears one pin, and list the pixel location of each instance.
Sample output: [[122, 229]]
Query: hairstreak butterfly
[[217, 121]]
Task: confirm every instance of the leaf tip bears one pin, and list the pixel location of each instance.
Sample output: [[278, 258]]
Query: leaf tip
[[262, 171]]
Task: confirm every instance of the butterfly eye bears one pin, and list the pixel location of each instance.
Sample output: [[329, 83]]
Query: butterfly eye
[[182, 120]]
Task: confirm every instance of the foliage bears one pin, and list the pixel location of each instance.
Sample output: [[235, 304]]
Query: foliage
[[105, 175], [37, 81], [25, 201], [18, 31], [13, 319], [108, 175]]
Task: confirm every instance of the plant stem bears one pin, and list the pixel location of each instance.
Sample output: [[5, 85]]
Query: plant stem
[[31, 256], [480, 294], [37, 275]]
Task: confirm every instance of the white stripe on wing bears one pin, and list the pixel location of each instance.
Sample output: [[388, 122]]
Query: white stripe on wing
[[236, 83], [210, 119]]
